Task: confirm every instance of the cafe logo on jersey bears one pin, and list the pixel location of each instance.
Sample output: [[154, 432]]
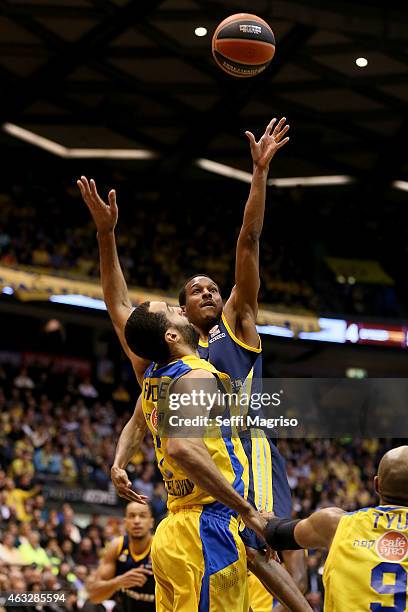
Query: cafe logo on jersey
[[392, 546]]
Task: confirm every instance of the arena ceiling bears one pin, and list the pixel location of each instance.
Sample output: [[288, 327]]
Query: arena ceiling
[[132, 74]]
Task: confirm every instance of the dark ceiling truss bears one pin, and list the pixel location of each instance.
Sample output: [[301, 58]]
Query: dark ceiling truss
[[118, 110], [69, 55]]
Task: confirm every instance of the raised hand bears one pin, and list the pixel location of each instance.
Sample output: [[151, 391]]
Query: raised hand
[[104, 215], [270, 142], [123, 486]]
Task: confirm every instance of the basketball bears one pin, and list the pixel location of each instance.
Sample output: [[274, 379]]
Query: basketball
[[243, 45]]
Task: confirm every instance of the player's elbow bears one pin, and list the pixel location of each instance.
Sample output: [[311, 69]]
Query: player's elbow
[[177, 449], [250, 237]]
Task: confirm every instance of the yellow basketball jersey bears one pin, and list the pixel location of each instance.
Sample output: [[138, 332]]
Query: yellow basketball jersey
[[226, 451], [367, 566]]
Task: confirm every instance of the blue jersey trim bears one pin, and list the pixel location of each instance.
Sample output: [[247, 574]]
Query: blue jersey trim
[[389, 508], [172, 370], [360, 510], [380, 508]]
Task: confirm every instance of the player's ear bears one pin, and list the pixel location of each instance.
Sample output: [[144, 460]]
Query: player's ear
[[183, 309], [172, 335], [376, 485]]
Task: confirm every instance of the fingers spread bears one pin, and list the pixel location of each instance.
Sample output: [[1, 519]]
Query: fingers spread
[[270, 126], [112, 198], [94, 191], [130, 495], [279, 126], [279, 135], [250, 137], [283, 142]]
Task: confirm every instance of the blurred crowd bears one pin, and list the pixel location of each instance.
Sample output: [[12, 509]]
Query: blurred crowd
[[166, 236], [58, 429]]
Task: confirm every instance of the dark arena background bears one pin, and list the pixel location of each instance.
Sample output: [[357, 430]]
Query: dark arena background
[[127, 92]]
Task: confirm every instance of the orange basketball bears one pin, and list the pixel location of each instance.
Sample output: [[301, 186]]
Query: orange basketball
[[243, 45]]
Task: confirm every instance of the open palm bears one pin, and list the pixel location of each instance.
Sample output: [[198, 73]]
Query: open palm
[[271, 141]]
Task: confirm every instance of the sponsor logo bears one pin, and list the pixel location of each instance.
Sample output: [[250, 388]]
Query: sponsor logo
[[179, 488], [123, 557], [364, 543], [154, 419], [250, 28], [392, 546], [218, 337], [214, 330]]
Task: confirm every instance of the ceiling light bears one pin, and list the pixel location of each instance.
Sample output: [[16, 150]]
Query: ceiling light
[[200, 31], [74, 153], [361, 62], [403, 185], [311, 181], [224, 170]]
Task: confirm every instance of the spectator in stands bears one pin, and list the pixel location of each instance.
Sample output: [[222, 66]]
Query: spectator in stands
[[87, 389], [9, 552], [23, 380], [144, 485], [86, 555], [32, 552]]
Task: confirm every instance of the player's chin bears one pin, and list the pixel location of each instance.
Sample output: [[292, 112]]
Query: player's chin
[[210, 314]]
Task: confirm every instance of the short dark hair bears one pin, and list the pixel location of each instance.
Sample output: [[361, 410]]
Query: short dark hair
[[147, 504], [145, 331], [182, 294]]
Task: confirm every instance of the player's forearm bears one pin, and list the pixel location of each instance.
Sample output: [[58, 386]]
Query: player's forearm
[[115, 291], [255, 207], [197, 463], [101, 590], [278, 582], [129, 442]]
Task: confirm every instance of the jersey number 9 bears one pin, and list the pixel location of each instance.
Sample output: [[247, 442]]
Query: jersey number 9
[[398, 589]]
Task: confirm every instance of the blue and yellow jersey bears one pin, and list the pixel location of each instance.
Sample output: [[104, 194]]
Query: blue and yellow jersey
[[367, 566], [241, 362], [227, 452], [135, 598]]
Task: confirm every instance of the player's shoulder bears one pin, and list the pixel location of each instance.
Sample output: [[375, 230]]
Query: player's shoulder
[[333, 514], [114, 548], [197, 367]]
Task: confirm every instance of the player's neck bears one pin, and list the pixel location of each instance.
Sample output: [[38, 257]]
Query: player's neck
[[139, 545], [388, 501], [182, 351], [204, 329]]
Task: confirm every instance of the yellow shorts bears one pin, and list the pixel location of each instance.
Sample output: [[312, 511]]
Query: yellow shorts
[[199, 563], [260, 599]]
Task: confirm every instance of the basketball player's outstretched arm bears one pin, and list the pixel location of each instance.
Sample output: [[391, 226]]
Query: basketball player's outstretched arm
[[242, 307], [128, 445], [115, 291], [316, 531]]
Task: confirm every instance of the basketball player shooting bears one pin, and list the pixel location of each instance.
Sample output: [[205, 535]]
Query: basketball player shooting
[[235, 347]]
